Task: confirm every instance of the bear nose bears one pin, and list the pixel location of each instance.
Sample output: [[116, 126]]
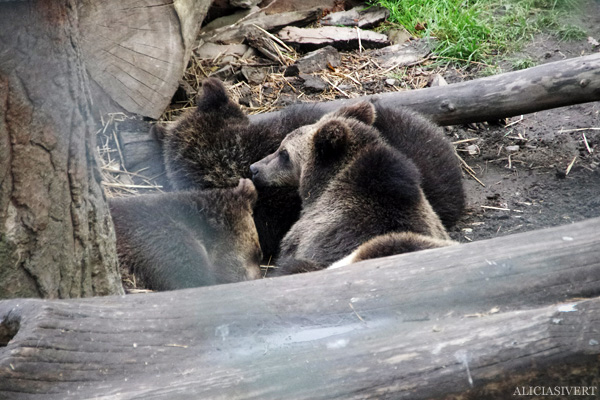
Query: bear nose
[[254, 170]]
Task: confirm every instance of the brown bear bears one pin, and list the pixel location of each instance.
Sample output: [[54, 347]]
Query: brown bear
[[354, 186], [213, 146], [189, 238], [391, 244], [408, 132]]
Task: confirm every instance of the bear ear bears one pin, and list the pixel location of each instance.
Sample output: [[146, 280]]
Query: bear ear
[[213, 95], [246, 190], [331, 139], [158, 132], [362, 111]]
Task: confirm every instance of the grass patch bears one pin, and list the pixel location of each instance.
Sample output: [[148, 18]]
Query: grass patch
[[523, 63], [477, 30]]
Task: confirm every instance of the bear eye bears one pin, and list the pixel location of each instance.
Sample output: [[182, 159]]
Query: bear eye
[[284, 155]]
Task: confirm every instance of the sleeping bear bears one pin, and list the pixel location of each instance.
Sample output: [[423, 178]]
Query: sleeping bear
[[354, 186], [190, 238]]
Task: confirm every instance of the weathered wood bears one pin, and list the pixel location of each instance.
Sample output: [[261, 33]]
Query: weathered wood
[[547, 86], [236, 33], [338, 37], [360, 16], [396, 328], [557, 84], [136, 51], [56, 235]]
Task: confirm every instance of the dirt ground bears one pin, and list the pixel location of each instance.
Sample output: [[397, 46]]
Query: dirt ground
[[532, 189]]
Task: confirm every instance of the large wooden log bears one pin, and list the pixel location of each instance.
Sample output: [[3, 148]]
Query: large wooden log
[[396, 328], [547, 86], [136, 51], [557, 84]]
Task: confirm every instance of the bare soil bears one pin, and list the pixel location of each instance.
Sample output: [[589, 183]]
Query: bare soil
[[534, 187]]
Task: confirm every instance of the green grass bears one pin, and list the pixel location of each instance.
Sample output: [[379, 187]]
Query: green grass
[[477, 30]]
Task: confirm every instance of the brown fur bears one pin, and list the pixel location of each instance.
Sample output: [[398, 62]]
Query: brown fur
[[392, 244], [188, 238], [213, 146], [410, 133], [354, 186]]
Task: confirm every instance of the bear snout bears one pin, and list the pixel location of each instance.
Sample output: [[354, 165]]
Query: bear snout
[[254, 170]]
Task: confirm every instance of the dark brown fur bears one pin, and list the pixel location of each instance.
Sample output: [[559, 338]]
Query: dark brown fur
[[188, 238], [354, 186], [213, 146], [410, 133]]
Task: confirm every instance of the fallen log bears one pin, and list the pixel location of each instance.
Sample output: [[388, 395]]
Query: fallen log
[[556, 84], [461, 319]]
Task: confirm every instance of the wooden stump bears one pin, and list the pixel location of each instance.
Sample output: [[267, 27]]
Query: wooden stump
[[56, 234], [136, 51]]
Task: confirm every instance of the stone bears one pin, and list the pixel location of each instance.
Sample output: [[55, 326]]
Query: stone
[[400, 55], [254, 75], [313, 83], [318, 60], [212, 51], [437, 80]]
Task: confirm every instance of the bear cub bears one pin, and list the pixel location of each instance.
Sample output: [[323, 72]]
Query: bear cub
[[408, 132], [354, 186], [213, 146], [190, 238]]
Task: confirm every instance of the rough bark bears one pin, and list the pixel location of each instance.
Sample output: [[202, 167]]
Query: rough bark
[[547, 86], [470, 318], [136, 51], [56, 235]]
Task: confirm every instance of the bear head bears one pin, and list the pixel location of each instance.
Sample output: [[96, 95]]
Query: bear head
[[236, 252], [334, 136]]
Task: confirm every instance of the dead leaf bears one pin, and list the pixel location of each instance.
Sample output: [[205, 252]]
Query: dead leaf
[[421, 26]]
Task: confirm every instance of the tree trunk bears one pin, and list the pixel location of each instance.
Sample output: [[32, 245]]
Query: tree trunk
[[472, 318], [56, 235], [136, 51]]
